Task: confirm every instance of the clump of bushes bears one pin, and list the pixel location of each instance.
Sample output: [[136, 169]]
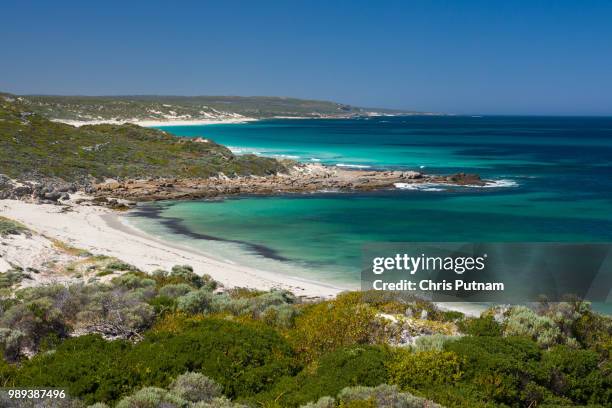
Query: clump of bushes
[[189, 390], [522, 321], [195, 387], [179, 339], [383, 396], [12, 277], [485, 325], [358, 365], [244, 359], [326, 326], [434, 342], [414, 370]]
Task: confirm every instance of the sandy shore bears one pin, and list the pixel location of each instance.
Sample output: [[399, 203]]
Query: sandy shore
[[157, 123], [100, 231]]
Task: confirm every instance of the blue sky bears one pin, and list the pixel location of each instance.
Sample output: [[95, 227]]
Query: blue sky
[[508, 57]]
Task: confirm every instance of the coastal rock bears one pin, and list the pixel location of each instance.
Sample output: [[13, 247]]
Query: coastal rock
[[463, 179], [301, 178]]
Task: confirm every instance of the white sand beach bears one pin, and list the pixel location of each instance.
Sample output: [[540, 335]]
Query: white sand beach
[[157, 123], [101, 232]]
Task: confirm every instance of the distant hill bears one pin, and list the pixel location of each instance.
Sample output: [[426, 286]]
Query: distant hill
[[152, 107], [33, 148]]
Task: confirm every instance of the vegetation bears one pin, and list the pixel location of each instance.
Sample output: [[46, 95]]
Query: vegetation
[[31, 147], [184, 107], [11, 227], [176, 339]]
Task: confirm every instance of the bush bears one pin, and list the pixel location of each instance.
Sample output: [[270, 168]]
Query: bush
[[199, 301], [412, 371], [522, 321], [10, 227], [243, 359], [133, 281], [195, 387], [12, 277], [117, 265], [363, 365], [87, 367], [185, 274], [383, 396], [574, 374], [434, 342], [220, 402], [326, 326], [497, 369], [323, 402], [152, 397], [28, 324], [482, 326], [174, 290]]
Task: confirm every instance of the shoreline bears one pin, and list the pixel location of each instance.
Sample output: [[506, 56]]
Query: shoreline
[[157, 123], [101, 232]]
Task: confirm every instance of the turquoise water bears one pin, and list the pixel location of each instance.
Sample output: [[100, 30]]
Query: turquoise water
[[555, 185]]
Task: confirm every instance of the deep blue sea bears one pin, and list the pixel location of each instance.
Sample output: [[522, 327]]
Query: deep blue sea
[[554, 184]]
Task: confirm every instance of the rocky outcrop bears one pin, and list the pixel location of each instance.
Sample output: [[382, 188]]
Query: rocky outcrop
[[301, 179], [46, 191]]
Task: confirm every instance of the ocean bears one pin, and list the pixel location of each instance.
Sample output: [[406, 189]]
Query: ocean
[[553, 184]]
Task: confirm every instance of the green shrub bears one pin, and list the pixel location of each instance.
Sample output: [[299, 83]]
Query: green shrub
[[88, 367], [27, 324], [185, 274], [497, 369], [195, 387], [434, 342], [133, 281], [482, 326], [522, 321], [412, 371], [326, 326], [244, 359], [118, 265], [152, 397], [363, 365], [323, 402], [574, 374], [175, 290], [383, 396], [12, 277], [199, 301], [10, 227]]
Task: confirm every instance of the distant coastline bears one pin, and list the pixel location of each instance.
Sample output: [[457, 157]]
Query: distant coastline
[[155, 123]]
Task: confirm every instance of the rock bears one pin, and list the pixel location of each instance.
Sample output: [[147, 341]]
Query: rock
[[52, 196]]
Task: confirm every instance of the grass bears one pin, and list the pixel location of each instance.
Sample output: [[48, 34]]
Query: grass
[[69, 249], [10, 227]]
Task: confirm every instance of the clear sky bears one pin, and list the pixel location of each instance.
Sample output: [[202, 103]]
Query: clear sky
[[509, 57]]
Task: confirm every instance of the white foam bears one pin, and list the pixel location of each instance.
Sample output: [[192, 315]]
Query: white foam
[[502, 183], [419, 186], [353, 166]]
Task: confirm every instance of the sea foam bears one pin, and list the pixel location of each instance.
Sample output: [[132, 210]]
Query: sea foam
[[502, 183], [353, 166]]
